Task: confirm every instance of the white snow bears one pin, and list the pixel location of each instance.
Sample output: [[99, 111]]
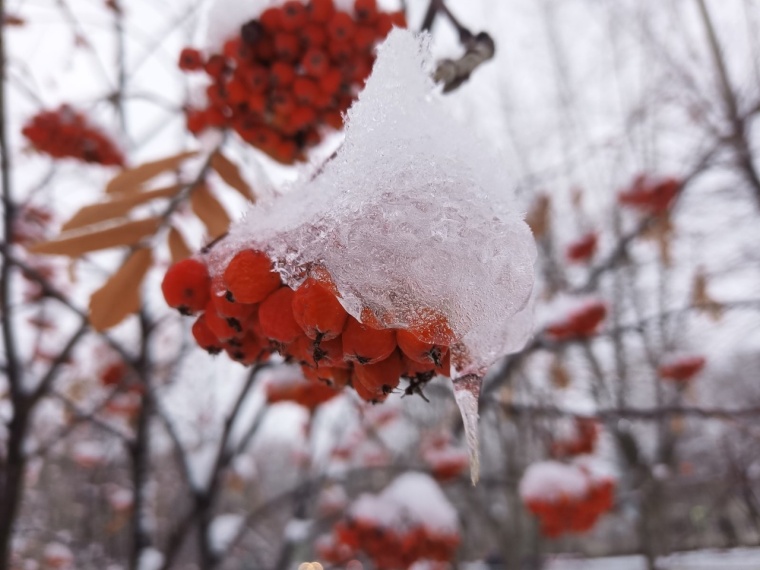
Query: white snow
[[88, 453], [369, 507], [737, 559], [597, 469], [58, 555], [550, 480], [150, 559], [224, 529], [412, 498], [297, 530], [444, 455], [413, 214], [423, 500], [120, 498]]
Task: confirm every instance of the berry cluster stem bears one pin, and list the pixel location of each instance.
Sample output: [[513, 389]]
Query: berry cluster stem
[[479, 48]]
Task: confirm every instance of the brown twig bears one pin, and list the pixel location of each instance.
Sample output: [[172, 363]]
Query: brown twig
[[738, 140]]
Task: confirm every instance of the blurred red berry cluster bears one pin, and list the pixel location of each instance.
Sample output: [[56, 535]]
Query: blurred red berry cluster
[[681, 369], [583, 249], [582, 440], [387, 548], [563, 513], [66, 133], [300, 391], [445, 461], [581, 322], [250, 314], [650, 196], [289, 73], [410, 521]]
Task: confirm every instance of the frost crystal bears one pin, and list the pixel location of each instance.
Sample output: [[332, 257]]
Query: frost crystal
[[412, 215]]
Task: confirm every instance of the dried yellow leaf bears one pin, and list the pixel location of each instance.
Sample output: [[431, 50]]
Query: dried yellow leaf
[[132, 179], [210, 211], [178, 247], [129, 233], [538, 216], [119, 297], [230, 173], [701, 298], [120, 206]]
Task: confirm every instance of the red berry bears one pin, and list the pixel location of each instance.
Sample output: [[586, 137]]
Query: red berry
[[248, 350], [276, 316], [283, 74], [366, 345], [317, 311], [293, 16], [419, 351], [287, 46], [303, 117], [223, 328], [380, 378], [190, 60], [216, 65], [205, 338], [186, 286], [341, 26], [249, 277], [365, 38], [315, 63], [271, 19], [305, 91], [321, 10], [314, 36], [366, 10]]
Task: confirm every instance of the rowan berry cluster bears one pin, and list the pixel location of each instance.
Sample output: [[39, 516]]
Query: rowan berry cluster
[[387, 548], [445, 461], [583, 249], [650, 196], [300, 391], [117, 374], [582, 440], [65, 133], [249, 313], [681, 369], [408, 522], [573, 512], [581, 322], [290, 72]]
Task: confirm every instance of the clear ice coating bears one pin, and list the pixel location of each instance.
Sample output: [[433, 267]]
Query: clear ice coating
[[412, 215]]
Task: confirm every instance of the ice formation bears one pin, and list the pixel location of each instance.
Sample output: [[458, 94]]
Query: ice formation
[[413, 217], [413, 214]]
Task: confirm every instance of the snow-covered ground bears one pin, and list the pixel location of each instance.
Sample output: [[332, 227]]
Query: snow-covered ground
[[739, 559]]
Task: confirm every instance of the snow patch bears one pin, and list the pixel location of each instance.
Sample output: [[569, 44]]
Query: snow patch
[[412, 498], [223, 530], [552, 480]]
